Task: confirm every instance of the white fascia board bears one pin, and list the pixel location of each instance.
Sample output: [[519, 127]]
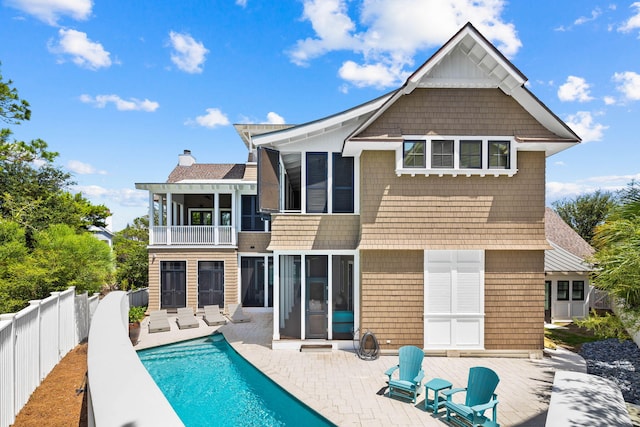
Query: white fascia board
[[355, 148], [319, 127], [542, 114]]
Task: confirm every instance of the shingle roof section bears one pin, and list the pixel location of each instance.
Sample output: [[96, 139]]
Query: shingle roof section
[[560, 233], [206, 171], [569, 249]]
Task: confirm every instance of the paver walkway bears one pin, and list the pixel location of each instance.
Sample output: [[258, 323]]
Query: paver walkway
[[343, 388]]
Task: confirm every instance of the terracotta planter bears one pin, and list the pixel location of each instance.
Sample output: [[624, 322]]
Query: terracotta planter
[[134, 332]]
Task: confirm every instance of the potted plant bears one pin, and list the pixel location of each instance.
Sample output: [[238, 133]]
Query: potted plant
[[136, 314]]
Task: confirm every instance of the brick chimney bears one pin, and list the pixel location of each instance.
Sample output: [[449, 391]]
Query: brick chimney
[[186, 159]]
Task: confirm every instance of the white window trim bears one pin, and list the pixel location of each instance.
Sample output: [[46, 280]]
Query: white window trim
[[456, 170]]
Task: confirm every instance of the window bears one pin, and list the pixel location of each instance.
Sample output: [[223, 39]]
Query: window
[[414, 154], [342, 184], [470, 154], [456, 155], [442, 154], [201, 217], [577, 290], [224, 201], [563, 290], [251, 219], [316, 182], [499, 155]]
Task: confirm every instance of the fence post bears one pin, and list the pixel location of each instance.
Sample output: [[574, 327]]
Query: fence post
[[36, 302], [12, 371]]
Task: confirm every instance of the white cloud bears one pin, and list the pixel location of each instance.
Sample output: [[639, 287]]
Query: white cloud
[[188, 55], [575, 89], [81, 168], [584, 19], [377, 75], [132, 104], [629, 84], [559, 190], [212, 119], [50, 11], [275, 118], [83, 52], [609, 100], [241, 3], [632, 23], [122, 196], [582, 123], [388, 33]]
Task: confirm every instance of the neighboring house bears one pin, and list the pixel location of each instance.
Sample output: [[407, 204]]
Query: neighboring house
[[102, 233], [567, 290], [418, 216]]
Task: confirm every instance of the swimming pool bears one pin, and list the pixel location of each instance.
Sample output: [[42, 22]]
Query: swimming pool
[[209, 384]]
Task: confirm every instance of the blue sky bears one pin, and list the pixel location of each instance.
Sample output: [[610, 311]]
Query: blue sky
[[121, 88]]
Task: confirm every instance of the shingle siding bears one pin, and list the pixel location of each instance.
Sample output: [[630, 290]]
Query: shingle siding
[[392, 296], [451, 212], [456, 112], [314, 232], [192, 256], [514, 300]]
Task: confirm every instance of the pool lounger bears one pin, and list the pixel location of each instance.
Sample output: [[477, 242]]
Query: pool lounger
[[158, 321], [186, 319], [236, 314], [212, 316]]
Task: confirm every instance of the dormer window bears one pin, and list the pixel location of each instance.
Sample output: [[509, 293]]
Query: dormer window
[[457, 156]]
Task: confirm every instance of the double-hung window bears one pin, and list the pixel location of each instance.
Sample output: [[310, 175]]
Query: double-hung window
[[414, 154], [442, 154], [499, 155], [470, 154]]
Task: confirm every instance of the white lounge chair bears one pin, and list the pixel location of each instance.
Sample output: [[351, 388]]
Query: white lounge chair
[[212, 316], [158, 321], [236, 314], [186, 319]]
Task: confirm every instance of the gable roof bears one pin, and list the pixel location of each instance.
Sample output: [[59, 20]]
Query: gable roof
[[206, 171], [569, 251], [467, 60]]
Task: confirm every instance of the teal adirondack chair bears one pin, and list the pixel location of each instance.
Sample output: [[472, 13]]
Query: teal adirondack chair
[[480, 396], [410, 374]]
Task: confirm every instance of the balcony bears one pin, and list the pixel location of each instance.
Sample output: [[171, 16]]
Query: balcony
[[193, 235]]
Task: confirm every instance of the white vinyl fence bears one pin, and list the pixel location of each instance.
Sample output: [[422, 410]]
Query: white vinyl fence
[[34, 340]]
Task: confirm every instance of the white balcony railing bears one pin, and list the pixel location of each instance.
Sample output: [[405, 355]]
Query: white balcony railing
[[192, 235]]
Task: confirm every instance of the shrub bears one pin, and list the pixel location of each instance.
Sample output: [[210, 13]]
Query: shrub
[[603, 327]]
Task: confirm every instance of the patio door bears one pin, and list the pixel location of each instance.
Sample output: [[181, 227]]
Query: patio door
[[316, 296], [210, 283], [173, 284]]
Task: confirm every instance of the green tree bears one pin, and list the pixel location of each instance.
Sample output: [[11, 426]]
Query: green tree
[[132, 260], [617, 242], [586, 212]]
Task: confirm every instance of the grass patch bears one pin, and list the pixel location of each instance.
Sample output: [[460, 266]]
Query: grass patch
[[569, 336]]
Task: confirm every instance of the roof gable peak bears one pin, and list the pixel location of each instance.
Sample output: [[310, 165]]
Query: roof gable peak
[[468, 59]]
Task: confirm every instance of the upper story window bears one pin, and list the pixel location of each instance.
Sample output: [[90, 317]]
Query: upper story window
[[342, 184], [442, 154], [414, 154], [457, 155], [251, 219]]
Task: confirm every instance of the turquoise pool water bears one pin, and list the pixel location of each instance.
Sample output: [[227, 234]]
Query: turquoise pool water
[[209, 384]]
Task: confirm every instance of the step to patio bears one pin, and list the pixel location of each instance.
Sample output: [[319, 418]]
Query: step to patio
[[308, 348]]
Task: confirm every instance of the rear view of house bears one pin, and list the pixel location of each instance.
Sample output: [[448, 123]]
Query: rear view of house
[[419, 215]]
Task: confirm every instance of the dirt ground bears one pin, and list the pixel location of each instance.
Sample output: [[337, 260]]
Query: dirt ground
[[58, 401]]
